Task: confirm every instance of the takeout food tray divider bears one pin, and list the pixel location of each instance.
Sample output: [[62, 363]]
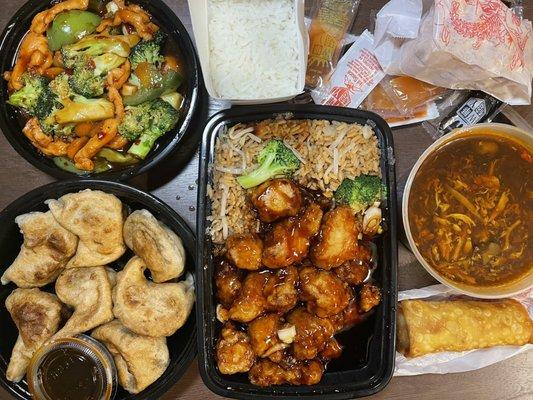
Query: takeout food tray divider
[[356, 380]]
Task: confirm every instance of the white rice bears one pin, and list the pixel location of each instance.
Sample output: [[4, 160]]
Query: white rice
[[254, 48]]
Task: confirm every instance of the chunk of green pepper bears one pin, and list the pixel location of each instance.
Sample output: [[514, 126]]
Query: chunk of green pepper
[[117, 157], [70, 26], [170, 81]]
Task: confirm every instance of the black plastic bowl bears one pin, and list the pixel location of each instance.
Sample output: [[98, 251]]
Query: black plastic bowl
[[367, 361], [181, 345], [11, 122]]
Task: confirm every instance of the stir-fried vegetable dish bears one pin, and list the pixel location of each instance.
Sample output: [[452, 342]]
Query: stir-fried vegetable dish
[[95, 84], [471, 209]]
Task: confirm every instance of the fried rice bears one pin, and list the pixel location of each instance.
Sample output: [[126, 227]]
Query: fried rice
[[329, 151]]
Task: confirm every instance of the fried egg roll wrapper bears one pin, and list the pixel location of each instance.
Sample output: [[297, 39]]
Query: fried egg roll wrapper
[[426, 326]]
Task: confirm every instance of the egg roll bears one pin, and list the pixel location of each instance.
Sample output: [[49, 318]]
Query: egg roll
[[430, 326]]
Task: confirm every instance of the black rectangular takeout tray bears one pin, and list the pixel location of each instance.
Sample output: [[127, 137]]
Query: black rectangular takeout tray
[[367, 362]]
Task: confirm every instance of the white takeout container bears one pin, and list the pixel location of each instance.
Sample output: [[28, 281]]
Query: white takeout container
[[199, 17], [490, 292]]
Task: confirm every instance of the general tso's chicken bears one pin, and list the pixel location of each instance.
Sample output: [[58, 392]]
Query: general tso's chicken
[[277, 199], [37, 316], [324, 293], [349, 317], [46, 249], [288, 242], [244, 251], [353, 272], [228, 281], [312, 333], [268, 373], [280, 291], [147, 308], [251, 302], [337, 240], [332, 350], [159, 247], [96, 218], [263, 332], [88, 292], [369, 297], [140, 360], [234, 352]]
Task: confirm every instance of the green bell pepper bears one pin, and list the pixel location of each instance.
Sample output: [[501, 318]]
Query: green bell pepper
[[169, 82], [70, 26]]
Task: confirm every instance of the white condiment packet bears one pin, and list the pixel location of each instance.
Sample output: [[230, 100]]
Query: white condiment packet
[[461, 361], [356, 74]]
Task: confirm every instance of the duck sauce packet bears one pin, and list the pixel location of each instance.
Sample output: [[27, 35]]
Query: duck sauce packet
[[356, 74]]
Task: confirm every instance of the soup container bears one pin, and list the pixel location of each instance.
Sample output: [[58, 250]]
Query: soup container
[[181, 345], [200, 22], [367, 362], [490, 130], [11, 122]]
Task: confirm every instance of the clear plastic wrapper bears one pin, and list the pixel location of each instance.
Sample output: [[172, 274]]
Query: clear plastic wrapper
[[330, 21]]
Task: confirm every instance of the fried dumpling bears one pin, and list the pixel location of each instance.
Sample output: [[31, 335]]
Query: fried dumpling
[[140, 360], [37, 316], [159, 247], [88, 292], [97, 219], [147, 308], [46, 249]]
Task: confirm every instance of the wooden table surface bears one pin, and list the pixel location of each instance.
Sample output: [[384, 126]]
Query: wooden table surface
[[175, 183]]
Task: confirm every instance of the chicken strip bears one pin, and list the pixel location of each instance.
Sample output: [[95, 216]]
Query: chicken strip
[[96, 218], [288, 242], [276, 199], [46, 249], [280, 291], [147, 308], [312, 333], [337, 240], [244, 251], [369, 297], [263, 333], [88, 292], [37, 316], [324, 292], [234, 352], [159, 247], [140, 360], [251, 302], [291, 371], [228, 281]]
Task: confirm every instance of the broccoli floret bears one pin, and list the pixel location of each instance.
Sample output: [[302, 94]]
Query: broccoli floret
[[361, 192], [88, 75], [148, 51], [92, 46], [35, 96], [276, 159], [154, 118]]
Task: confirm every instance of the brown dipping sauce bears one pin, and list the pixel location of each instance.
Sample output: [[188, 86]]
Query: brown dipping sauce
[[69, 374], [471, 210]]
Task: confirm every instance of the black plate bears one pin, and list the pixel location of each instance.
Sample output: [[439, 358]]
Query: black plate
[[12, 124], [367, 363], [182, 345]]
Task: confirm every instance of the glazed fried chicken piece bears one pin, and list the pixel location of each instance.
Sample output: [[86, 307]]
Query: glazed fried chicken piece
[[325, 293], [244, 251], [276, 199], [280, 292], [264, 338], [37, 316], [312, 333], [353, 272], [369, 297], [46, 249], [349, 317], [88, 291], [289, 370], [250, 303], [288, 242], [337, 240], [234, 352], [332, 350], [228, 281]]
